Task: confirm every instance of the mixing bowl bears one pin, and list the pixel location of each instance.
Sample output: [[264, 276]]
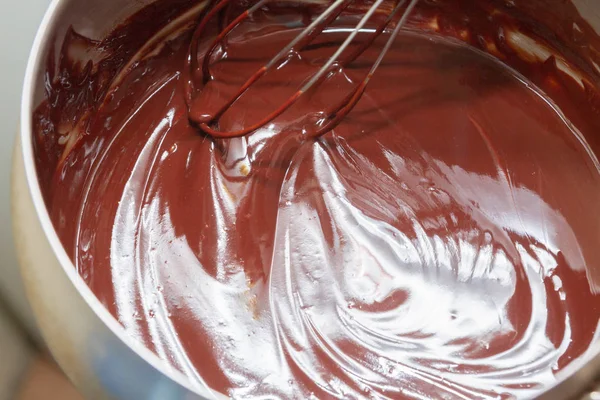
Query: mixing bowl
[[87, 342]]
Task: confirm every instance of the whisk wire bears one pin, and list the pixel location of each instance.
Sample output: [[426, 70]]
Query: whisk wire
[[307, 35], [345, 106]]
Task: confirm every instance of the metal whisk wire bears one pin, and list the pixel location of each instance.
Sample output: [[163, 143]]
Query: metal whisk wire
[[334, 115]]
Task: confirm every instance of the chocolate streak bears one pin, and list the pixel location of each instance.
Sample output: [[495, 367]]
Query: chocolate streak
[[440, 242]]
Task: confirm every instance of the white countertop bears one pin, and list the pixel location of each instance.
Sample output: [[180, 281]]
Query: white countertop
[[20, 19]]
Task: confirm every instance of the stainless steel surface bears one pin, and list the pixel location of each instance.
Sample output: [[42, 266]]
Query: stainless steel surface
[[85, 339]]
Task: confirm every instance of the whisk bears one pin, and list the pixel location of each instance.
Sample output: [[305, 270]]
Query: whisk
[[210, 124]]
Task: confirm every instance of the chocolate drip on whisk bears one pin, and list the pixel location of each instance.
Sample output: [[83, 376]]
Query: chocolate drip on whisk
[[209, 123]]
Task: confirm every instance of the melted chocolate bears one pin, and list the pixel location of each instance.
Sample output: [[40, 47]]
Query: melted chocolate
[[440, 242]]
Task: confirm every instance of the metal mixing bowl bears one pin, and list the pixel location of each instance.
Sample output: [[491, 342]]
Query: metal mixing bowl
[[88, 343]]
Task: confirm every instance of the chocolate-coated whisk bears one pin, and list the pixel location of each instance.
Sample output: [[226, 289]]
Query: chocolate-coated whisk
[[335, 114]]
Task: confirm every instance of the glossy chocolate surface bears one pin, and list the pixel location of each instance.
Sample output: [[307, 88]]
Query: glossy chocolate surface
[[441, 242]]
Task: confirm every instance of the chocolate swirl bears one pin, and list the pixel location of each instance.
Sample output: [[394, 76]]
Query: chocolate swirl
[[437, 243]]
